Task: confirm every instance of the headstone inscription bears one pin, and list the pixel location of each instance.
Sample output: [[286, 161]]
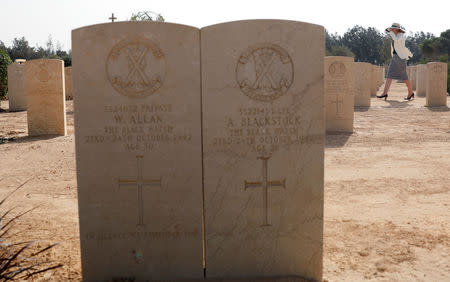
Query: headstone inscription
[[421, 80], [46, 107], [263, 136], [339, 93], [68, 83], [138, 149], [362, 84], [436, 94], [17, 95]]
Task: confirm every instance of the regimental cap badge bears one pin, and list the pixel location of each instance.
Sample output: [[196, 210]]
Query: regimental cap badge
[[136, 67]]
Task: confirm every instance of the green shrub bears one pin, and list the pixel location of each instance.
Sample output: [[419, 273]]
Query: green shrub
[[146, 16], [443, 58], [5, 60], [340, 50]]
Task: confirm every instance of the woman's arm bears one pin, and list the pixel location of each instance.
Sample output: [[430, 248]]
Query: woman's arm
[[399, 36]]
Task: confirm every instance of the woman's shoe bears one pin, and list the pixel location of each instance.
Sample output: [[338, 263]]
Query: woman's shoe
[[383, 96], [409, 97]]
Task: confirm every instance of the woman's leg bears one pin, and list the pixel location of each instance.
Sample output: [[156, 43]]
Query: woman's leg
[[387, 85], [409, 85]]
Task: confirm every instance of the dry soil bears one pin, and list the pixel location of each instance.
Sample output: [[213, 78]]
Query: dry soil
[[387, 192]]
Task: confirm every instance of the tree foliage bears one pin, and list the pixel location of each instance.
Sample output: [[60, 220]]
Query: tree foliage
[[340, 50], [146, 16], [435, 48], [21, 49], [412, 43], [385, 50], [5, 60], [331, 40], [364, 43], [372, 46]]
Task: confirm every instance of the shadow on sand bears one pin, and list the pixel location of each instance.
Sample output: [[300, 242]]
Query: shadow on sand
[[439, 109], [397, 104], [26, 139], [7, 111], [336, 139], [361, 109]]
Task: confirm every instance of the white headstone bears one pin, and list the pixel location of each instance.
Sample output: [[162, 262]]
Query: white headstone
[[46, 107], [339, 93], [17, 95], [263, 136], [421, 80], [436, 84], [363, 76], [138, 148]]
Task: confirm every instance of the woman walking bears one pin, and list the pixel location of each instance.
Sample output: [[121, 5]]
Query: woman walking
[[397, 67]]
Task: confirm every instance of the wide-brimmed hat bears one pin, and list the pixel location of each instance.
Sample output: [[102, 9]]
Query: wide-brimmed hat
[[398, 26]]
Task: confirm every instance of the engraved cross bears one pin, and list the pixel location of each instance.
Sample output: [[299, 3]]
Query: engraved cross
[[337, 101], [265, 184], [140, 183]]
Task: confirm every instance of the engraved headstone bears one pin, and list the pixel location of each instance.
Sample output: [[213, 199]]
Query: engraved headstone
[[380, 76], [17, 94], [421, 80], [68, 83], [374, 80], [413, 77], [138, 149], [377, 76], [363, 73], [339, 93], [263, 136], [436, 84], [46, 107]]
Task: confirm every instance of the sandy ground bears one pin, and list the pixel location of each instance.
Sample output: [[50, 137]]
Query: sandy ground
[[387, 192]]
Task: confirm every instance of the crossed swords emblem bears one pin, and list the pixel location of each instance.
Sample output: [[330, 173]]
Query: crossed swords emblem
[[265, 72], [137, 66], [144, 68]]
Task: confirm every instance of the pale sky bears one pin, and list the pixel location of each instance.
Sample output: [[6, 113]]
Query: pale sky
[[37, 19]]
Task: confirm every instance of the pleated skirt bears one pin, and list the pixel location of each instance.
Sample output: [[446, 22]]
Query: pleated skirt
[[397, 69]]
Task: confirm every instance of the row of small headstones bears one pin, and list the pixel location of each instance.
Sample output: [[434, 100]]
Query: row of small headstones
[[339, 111], [67, 77], [349, 84]]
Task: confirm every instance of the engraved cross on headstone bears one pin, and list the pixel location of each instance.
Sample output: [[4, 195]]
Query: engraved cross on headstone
[[265, 184], [337, 101], [140, 183], [112, 18]]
